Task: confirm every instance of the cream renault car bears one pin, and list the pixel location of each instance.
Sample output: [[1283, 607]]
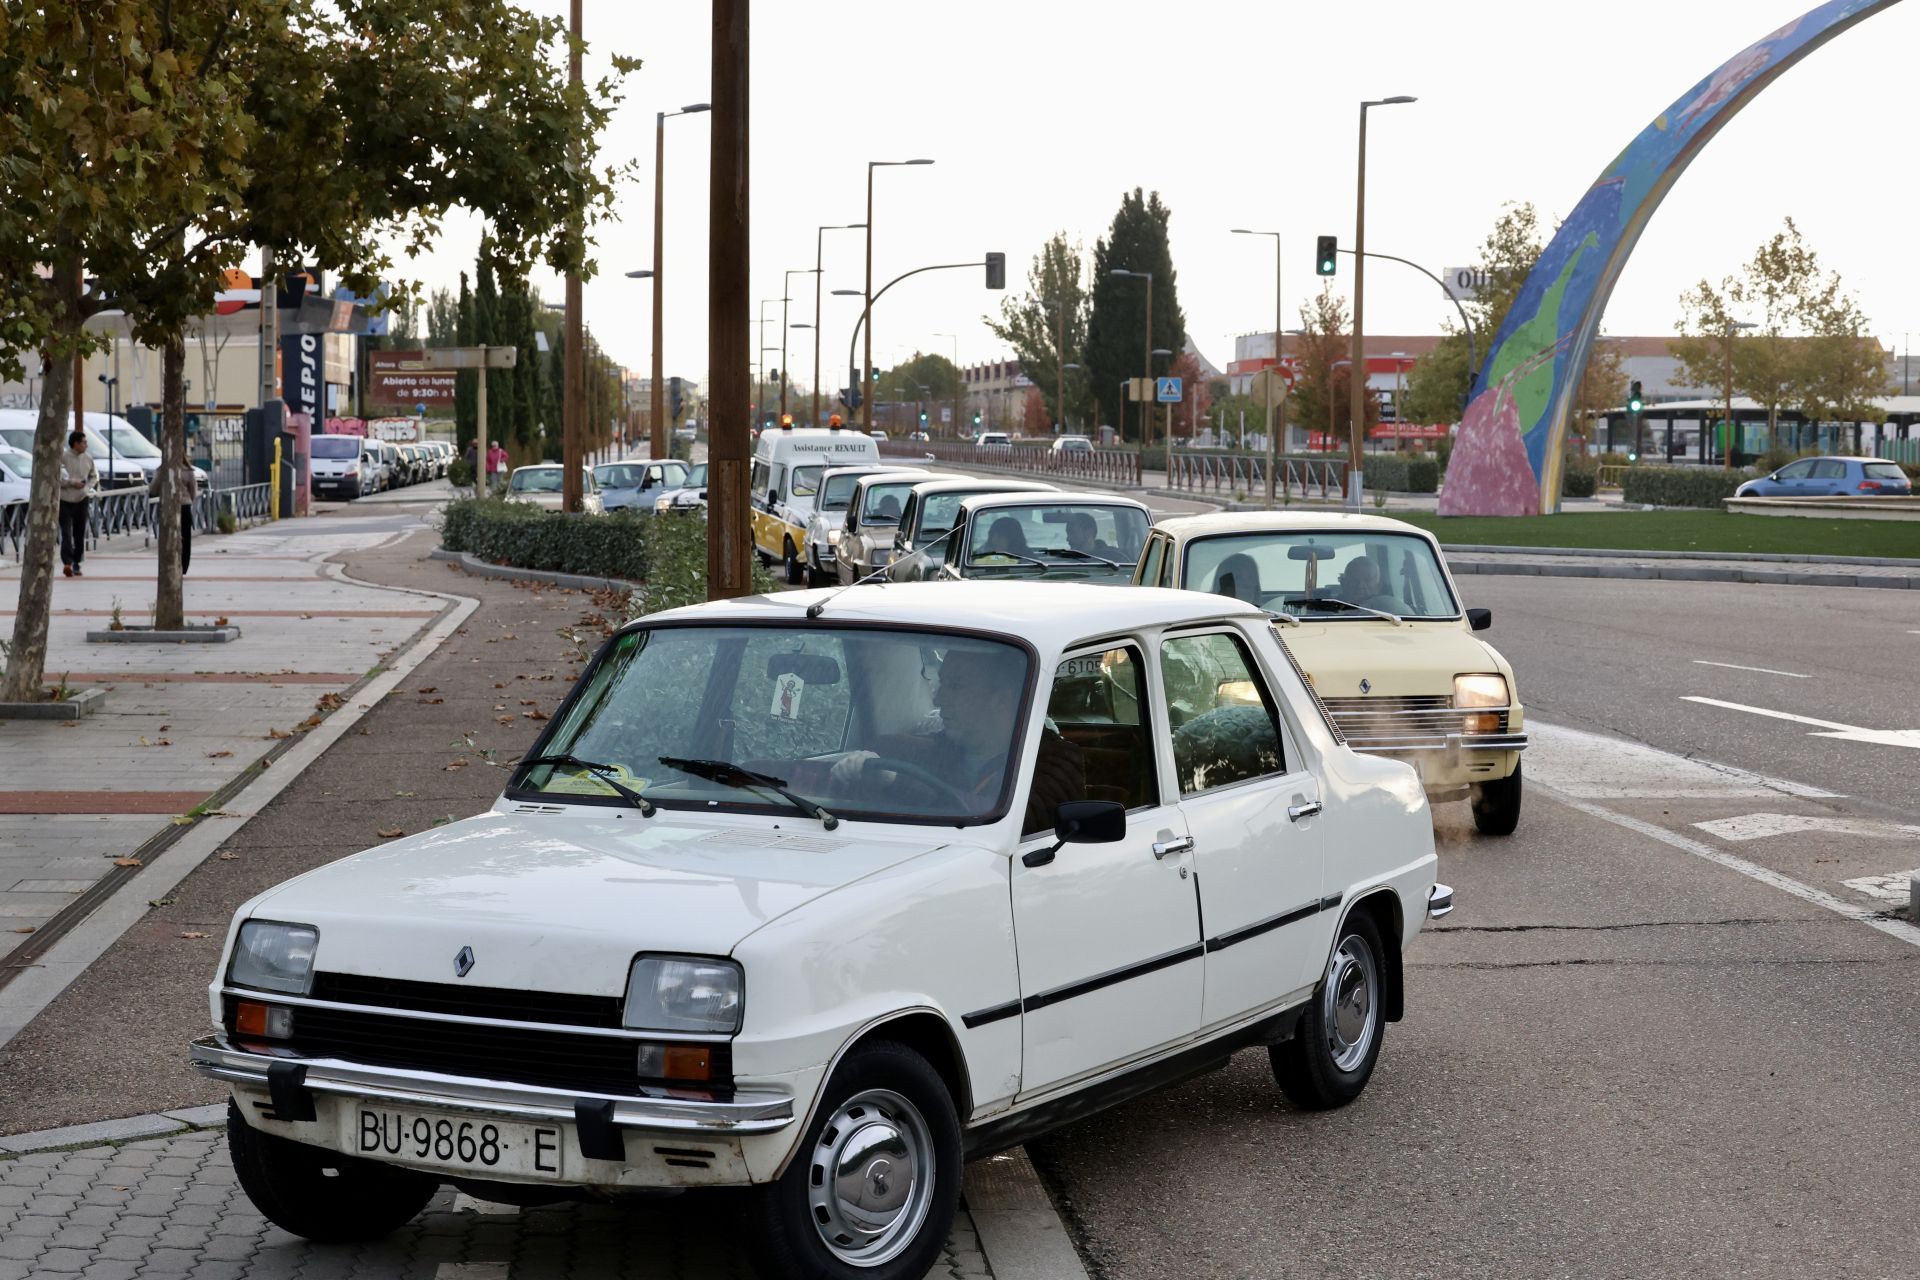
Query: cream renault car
[[818, 894], [1367, 605]]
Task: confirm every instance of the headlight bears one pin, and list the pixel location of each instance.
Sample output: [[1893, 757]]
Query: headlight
[[274, 957], [664, 505], [833, 537], [1480, 691], [683, 993]]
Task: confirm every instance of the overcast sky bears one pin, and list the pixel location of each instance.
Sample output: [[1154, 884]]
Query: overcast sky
[[1041, 113]]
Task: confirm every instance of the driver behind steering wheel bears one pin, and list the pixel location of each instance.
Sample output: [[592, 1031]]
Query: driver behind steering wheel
[[977, 704]]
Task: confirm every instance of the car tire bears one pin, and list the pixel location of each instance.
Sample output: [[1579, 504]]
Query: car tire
[[795, 574], [320, 1195], [1496, 805], [841, 1210], [1333, 1051]]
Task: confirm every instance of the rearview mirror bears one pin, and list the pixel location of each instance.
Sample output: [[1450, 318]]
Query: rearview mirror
[[1311, 551], [1479, 619], [811, 667]]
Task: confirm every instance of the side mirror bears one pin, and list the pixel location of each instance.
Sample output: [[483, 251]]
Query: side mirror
[[1479, 619], [1082, 822], [773, 499]]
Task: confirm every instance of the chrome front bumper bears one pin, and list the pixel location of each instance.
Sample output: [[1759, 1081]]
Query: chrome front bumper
[[1439, 900], [746, 1115]]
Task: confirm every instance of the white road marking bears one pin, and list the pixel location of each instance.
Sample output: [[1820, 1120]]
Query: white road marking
[[1899, 929], [1758, 826], [1765, 671], [1896, 889], [1844, 732], [1578, 763]]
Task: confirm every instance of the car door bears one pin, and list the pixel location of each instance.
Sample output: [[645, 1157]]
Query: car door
[[1250, 806], [1828, 477], [1108, 935], [1793, 480]]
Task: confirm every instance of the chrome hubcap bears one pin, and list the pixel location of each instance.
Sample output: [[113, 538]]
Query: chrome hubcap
[[870, 1179], [1347, 999]]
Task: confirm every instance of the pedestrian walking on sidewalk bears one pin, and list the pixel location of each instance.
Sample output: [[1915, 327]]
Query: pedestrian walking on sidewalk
[[496, 464], [473, 460], [186, 491], [79, 478]]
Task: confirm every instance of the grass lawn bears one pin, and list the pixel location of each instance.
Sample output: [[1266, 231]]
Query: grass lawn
[[1679, 531]]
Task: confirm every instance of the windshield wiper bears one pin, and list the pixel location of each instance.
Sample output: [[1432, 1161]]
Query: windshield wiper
[[599, 772], [1074, 553], [1394, 618], [728, 774], [1011, 555]]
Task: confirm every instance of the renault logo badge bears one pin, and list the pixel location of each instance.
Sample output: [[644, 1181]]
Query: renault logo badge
[[1366, 686], [463, 963]]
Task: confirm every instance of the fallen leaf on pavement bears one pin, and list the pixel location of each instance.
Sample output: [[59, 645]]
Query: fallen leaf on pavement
[[535, 714], [428, 688], [458, 764], [529, 702], [503, 719], [311, 722], [501, 684], [441, 822], [218, 755], [184, 821], [227, 856], [330, 702], [128, 862], [278, 733], [406, 794], [165, 727], [393, 833], [193, 934], [161, 902], [429, 702], [27, 928]]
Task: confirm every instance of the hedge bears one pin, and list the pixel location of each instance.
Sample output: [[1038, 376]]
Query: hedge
[[1580, 478], [1705, 487], [1402, 472]]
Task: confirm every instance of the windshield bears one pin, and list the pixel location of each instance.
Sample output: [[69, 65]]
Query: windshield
[[1883, 471], [696, 477], [15, 466], [1056, 533], [839, 492], [336, 446], [914, 725], [884, 502], [805, 482], [129, 443], [1297, 572], [21, 438], [937, 510], [536, 480], [620, 475]]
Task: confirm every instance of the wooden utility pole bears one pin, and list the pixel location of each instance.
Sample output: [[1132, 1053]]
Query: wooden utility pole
[[574, 370], [729, 312]]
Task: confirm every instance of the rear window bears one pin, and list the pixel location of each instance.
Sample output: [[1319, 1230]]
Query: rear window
[[336, 446], [1884, 471]]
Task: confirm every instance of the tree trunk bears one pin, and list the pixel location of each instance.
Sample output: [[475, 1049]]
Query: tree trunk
[[169, 608], [27, 652]]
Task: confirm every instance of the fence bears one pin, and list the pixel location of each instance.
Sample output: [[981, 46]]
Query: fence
[[117, 511], [1102, 466], [1247, 474], [219, 449]]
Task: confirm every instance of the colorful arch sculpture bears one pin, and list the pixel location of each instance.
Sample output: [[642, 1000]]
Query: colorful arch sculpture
[[1509, 452]]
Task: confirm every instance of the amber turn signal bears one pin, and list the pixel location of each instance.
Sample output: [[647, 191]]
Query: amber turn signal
[[269, 1021], [676, 1062]]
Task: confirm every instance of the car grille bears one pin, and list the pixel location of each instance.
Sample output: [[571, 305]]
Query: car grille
[[1382, 724], [470, 1002]]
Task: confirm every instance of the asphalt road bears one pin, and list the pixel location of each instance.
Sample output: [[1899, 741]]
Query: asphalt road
[[1642, 1046]]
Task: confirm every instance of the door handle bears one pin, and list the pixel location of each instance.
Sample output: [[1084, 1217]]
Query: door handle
[[1179, 844], [1301, 812]]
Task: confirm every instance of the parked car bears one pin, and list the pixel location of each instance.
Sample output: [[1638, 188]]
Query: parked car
[[373, 467], [633, 485], [689, 498], [993, 440], [129, 463], [687, 432], [16, 477], [1831, 477], [925, 532], [918, 437], [541, 485], [746, 916], [1048, 536], [785, 482], [827, 522], [335, 467], [1367, 605], [873, 514]]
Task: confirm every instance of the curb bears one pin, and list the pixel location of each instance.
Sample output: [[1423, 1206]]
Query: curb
[[32, 989], [1677, 573], [1761, 557], [134, 634], [83, 702], [101, 1132], [580, 582]]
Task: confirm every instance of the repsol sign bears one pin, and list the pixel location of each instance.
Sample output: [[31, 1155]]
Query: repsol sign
[[301, 374]]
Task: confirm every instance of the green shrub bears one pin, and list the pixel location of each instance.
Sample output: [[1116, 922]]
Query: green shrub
[[1614, 458], [1402, 472], [1913, 471], [226, 521], [460, 474], [1580, 478], [1681, 486]]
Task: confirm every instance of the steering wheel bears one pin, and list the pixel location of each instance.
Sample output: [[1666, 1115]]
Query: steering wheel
[[913, 772]]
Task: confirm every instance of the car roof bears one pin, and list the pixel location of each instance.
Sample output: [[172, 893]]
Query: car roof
[[1036, 612], [857, 469], [891, 474], [1054, 499], [985, 485], [1286, 522]]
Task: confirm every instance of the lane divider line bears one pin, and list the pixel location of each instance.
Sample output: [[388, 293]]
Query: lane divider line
[[1765, 671]]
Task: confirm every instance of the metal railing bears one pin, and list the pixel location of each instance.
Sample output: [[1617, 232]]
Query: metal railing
[[1247, 474], [117, 511], [13, 525], [1103, 466], [1612, 475], [112, 512]]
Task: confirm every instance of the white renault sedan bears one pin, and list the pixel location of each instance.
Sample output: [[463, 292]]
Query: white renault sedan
[[820, 894]]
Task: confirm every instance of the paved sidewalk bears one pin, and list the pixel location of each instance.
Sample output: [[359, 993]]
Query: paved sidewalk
[[181, 721], [171, 1207]]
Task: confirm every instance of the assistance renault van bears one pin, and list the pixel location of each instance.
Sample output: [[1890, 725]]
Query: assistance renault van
[[786, 484]]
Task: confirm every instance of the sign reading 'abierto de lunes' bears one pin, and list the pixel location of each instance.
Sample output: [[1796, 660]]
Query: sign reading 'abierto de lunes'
[[403, 378]]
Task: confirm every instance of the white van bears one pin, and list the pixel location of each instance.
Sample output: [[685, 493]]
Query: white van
[[337, 467], [786, 481]]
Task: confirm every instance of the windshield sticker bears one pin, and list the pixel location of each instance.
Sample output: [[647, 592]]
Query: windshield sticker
[[786, 697], [583, 782]]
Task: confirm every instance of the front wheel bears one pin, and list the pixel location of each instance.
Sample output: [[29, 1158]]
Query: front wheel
[[1496, 805], [320, 1195], [795, 574], [872, 1191], [1330, 1059]]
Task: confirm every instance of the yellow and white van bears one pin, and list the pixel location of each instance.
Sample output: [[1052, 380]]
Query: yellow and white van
[[786, 482]]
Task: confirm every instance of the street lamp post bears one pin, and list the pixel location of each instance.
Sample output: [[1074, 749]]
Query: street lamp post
[[1146, 412], [653, 404], [1357, 379], [1279, 319], [818, 237], [764, 348], [657, 407], [866, 401], [786, 289]]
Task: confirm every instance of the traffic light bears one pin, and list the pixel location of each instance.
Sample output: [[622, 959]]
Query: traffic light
[[996, 271], [873, 374], [976, 418], [923, 417], [1634, 403], [1325, 255]]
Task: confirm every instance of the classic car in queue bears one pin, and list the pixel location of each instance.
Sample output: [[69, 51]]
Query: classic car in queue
[[1033, 536], [819, 894], [1369, 608]]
